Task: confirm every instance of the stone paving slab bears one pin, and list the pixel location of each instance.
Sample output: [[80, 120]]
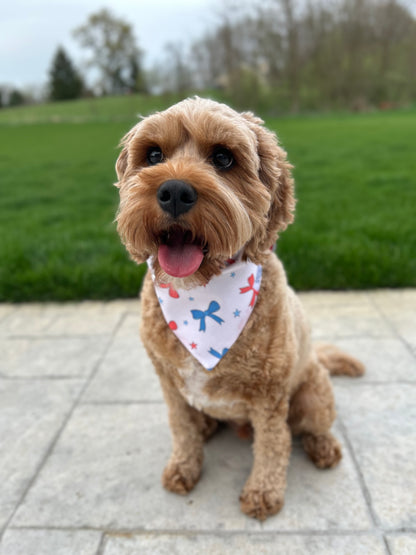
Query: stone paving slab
[[50, 542], [30, 319], [59, 357], [380, 421], [5, 310], [402, 544], [66, 319], [32, 412], [84, 439], [353, 320], [343, 314], [399, 309], [126, 373]]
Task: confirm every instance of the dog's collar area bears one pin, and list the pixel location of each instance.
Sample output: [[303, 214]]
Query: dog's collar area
[[208, 319], [235, 258]]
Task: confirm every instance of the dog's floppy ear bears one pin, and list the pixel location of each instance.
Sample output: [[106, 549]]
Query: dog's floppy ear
[[121, 165], [275, 173], [122, 160]]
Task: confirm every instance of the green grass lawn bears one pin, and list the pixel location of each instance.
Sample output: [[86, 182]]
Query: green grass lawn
[[355, 223], [355, 182]]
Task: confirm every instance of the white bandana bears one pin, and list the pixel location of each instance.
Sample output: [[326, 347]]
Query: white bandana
[[208, 319]]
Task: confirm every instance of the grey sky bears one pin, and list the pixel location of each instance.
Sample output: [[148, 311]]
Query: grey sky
[[31, 30]]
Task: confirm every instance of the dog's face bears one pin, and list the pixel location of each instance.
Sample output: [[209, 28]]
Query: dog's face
[[198, 183]]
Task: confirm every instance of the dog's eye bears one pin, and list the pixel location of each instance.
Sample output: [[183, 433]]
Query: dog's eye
[[154, 155], [222, 158]]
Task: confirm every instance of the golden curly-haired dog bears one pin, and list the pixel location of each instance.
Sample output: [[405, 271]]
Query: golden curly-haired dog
[[199, 183]]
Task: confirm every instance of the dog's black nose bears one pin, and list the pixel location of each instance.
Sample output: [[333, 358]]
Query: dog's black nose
[[176, 197]]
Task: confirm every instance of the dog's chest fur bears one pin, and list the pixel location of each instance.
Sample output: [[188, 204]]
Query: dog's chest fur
[[195, 379]]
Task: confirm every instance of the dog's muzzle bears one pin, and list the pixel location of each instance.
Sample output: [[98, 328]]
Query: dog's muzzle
[[176, 197]]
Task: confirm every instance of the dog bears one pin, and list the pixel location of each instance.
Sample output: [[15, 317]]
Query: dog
[[204, 193]]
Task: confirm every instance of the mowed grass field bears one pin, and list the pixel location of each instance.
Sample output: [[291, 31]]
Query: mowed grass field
[[355, 184]]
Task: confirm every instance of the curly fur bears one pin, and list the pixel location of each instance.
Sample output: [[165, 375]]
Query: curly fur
[[272, 379]]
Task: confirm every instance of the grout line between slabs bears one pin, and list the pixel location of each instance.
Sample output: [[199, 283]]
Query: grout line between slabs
[[47, 377], [81, 378], [328, 338], [124, 402], [63, 425], [203, 532], [386, 545], [361, 480], [57, 336], [376, 383], [101, 545]]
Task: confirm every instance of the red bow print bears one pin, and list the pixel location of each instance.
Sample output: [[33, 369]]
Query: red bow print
[[172, 292], [250, 288]]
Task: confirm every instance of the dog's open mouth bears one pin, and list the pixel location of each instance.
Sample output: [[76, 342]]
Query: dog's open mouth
[[179, 254]]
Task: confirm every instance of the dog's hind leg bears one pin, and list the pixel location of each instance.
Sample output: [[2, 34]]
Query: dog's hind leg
[[311, 414], [207, 425]]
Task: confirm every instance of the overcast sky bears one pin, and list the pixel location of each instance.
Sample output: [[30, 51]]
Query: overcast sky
[[31, 30]]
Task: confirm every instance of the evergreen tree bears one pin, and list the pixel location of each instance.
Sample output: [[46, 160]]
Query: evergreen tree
[[16, 98], [65, 82]]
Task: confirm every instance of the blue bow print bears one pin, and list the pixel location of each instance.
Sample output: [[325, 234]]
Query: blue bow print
[[200, 315], [216, 354]]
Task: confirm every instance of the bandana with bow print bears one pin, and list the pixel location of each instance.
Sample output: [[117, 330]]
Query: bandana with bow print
[[208, 319]]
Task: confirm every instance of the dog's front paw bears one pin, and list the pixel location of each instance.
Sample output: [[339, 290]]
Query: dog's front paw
[[181, 477], [259, 503]]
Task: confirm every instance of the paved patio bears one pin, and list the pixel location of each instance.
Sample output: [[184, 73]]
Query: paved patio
[[84, 438]]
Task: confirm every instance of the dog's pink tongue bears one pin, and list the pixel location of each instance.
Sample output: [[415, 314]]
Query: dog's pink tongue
[[179, 258]]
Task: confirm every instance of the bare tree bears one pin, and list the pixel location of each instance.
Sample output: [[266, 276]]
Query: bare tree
[[113, 50], [297, 54], [278, 40]]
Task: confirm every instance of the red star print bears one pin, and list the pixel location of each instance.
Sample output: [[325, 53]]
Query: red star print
[[193, 345]]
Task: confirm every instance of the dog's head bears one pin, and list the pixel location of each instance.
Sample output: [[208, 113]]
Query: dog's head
[[198, 183]]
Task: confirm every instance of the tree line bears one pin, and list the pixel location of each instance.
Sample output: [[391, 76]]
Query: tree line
[[283, 55], [305, 55]]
